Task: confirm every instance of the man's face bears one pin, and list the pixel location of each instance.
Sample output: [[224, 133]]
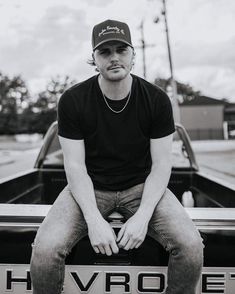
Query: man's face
[[114, 60]]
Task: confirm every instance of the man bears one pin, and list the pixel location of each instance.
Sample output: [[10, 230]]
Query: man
[[116, 130]]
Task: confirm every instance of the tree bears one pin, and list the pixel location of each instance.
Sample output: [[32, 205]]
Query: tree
[[20, 114], [14, 98], [45, 108], [14, 94], [49, 98], [185, 92]]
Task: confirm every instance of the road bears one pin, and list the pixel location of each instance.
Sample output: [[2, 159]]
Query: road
[[218, 164], [217, 158], [12, 162]]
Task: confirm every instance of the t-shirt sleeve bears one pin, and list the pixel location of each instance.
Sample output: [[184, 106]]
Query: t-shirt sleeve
[[69, 125], [163, 121]]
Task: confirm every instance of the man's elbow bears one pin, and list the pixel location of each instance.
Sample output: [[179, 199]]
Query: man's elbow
[[163, 167], [75, 170]]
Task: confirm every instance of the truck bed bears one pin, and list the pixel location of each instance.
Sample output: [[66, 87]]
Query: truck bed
[[42, 186]]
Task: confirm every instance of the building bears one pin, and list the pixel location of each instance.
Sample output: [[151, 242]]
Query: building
[[203, 118], [229, 120]]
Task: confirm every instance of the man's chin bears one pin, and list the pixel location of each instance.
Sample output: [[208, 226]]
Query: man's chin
[[115, 77]]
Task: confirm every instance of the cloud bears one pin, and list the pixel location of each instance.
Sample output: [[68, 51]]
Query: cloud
[[62, 23], [53, 42], [201, 54], [209, 67], [99, 3], [45, 38], [217, 83]]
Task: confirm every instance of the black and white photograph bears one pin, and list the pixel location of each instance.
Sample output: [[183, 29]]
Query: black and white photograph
[[117, 146]]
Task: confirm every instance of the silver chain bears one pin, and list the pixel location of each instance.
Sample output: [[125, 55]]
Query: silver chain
[[117, 111]]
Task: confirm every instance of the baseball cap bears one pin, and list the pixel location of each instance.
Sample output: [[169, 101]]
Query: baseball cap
[[111, 30]]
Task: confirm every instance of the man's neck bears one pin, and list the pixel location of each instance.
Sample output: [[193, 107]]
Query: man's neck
[[115, 90]]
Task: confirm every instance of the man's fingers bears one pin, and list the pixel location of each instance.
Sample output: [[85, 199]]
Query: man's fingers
[[114, 247], [101, 249], [138, 244], [133, 245], [114, 235], [123, 241], [129, 244], [120, 233], [107, 249], [96, 249]]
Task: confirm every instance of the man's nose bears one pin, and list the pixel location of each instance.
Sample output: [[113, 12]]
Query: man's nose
[[114, 56]]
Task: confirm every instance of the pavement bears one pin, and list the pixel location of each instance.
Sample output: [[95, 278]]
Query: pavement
[[18, 153], [216, 158], [15, 162], [213, 145], [12, 147], [6, 158]]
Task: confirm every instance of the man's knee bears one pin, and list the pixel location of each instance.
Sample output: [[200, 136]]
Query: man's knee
[[192, 250], [46, 251]]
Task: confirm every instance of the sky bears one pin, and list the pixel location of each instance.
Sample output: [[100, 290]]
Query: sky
[[43, 39]]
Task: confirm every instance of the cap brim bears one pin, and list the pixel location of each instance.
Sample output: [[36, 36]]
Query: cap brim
[[113, 39]]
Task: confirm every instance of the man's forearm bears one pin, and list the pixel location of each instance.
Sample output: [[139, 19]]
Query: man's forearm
[[101, 235], [82, 190], [154, 188]]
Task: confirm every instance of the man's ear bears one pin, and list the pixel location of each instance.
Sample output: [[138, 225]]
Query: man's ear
[[94, 63], [93, 57], [133, 58]]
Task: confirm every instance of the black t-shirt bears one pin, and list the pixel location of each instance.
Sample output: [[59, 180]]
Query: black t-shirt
[[117, 145]]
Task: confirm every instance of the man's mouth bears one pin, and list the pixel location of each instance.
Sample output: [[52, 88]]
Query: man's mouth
[[114, 67]]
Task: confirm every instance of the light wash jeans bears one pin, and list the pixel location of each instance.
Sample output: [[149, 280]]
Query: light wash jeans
[[64, 226]]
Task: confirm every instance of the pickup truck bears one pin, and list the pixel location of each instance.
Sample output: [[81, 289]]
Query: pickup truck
[[27, 197]]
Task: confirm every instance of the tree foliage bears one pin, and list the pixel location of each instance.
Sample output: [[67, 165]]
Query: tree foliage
[[49, 98], [185, 92], [20, 114], [14, 95], [14, 98]]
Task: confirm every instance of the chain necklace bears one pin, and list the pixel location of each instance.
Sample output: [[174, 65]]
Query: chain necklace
[[117, 111]]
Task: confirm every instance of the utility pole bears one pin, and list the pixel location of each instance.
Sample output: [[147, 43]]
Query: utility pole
[[167, 38], [175, 104], [143, 46]]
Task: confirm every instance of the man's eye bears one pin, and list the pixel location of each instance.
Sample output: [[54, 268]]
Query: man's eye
[[104, 52], [121, 50]]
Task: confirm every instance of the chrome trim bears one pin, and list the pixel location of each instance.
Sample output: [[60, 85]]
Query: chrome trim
[[17, 175], [215, 179], [187, 143], [24, 210], [31, 216], [52, 131]]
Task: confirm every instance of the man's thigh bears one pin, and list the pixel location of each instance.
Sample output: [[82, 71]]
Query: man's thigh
[[64, 223], [170, 223]]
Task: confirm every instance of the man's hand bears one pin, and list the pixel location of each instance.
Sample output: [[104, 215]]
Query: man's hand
[[132, 233], [102, 237]]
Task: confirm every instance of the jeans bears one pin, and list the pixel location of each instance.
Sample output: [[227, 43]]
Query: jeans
[[64, 226]]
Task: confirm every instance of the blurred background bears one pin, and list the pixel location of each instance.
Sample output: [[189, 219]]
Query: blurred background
[[185, 47]]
